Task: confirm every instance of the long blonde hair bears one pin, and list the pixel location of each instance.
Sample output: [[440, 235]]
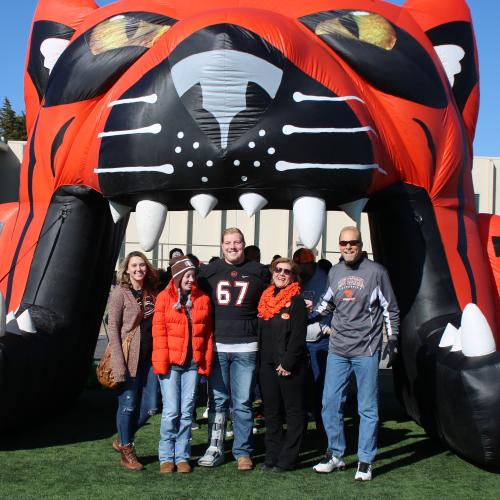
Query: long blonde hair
[[150, 280]]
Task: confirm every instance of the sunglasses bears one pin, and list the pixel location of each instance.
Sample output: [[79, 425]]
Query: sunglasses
[[353, 243], [279, 270]]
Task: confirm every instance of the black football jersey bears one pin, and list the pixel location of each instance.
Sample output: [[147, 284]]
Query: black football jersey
[[235, 292]]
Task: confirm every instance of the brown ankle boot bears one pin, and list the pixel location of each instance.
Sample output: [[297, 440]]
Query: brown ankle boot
[[129, 458]]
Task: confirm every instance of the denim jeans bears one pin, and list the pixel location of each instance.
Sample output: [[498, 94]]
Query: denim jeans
[[137, 401], [338, 372], [231, 382], [318, 354], [178, 390]]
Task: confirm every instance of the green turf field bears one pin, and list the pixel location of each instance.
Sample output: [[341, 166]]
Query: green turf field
[[71, 457]]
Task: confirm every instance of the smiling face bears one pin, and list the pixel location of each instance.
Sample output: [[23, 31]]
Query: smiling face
[[233, 247], [283, 275], [137, 270], [187, 281], [350, 246]]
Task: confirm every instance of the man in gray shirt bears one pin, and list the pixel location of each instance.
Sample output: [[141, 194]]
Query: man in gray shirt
[[362, 301]]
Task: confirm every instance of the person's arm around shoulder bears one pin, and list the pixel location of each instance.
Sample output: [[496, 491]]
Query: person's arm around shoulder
[[390, 308], [388, 303], [295, 348], [160, 357], [202, 277], [265, 275], [116, 306], [206, 369]]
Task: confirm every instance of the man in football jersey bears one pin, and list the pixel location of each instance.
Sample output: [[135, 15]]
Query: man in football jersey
[[235, 286]]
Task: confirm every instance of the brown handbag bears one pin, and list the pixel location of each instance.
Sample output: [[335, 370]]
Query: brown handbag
[[104, 370]]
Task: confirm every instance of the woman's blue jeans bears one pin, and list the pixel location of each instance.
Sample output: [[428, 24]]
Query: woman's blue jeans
[[338, 372], [178, 390], [137, 401]]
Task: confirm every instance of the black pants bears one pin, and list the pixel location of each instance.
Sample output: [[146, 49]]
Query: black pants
[[283, 403]]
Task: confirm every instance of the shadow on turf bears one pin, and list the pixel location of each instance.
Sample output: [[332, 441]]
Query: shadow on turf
[[92, 418]]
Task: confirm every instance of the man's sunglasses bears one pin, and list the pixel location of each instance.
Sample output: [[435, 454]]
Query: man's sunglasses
[[353, 243], [279, 270]]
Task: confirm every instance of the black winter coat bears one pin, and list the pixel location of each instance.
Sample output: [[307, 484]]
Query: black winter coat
[[282, 338]]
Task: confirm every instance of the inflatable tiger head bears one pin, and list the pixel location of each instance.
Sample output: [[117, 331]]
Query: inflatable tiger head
[[322, 105]]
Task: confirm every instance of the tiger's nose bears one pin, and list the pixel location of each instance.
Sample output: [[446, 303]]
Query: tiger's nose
[[224, 75]]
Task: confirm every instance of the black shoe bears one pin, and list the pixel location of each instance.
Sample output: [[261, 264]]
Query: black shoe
[[277, 468], [266, 467]]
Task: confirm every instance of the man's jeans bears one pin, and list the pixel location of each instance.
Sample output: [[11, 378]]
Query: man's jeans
[[137, 401], [338, 371], [231, 382], [178, 390]]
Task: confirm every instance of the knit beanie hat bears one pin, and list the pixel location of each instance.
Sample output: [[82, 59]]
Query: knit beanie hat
[[179, 266]]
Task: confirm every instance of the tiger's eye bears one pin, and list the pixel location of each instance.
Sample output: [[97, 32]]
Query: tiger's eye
[[122, 31], [362, 26]]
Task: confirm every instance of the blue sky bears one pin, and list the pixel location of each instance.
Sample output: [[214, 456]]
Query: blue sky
[[17, 15]]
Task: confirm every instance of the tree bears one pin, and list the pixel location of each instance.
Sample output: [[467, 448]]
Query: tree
[[12, 125]]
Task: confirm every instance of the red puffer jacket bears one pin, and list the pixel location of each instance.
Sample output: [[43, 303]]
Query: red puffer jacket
[[171, 331]]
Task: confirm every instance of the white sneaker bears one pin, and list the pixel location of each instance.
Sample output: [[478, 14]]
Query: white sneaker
[[205, 413], [329, 464], [212, 457], [364, 472]]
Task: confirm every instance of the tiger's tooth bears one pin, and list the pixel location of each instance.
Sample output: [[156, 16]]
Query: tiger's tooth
[[11, 323], [3, 319], [477, 337], [25, 322], [457, 345], [150, 219], [309, 215], [354, 208], [252, 203], [203, 203], [118, 211], [449, 335]]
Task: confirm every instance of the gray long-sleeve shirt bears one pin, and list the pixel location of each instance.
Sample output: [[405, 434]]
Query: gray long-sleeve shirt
[[362, 301]]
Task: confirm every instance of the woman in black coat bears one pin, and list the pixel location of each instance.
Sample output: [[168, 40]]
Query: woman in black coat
[[282, 368]]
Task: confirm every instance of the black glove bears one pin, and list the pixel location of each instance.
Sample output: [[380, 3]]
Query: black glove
[[391, 350]]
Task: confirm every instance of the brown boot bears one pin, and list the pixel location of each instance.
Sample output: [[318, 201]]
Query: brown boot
[[167, 467], [129, 458], [116, 446], [184, 467], [245, 463]]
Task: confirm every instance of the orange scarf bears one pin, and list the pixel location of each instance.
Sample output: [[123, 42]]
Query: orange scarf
[[270, 304]]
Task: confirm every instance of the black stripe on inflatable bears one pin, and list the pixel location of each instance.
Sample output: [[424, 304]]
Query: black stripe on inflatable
[[31, 168], [496, 245], [57, 143], [462, 234], [430, 142]]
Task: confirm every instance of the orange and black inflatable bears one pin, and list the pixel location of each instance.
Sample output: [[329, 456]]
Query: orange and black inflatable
[[318, 105]]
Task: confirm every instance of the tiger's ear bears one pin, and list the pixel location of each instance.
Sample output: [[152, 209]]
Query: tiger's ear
[[448, 24], [54, 23]]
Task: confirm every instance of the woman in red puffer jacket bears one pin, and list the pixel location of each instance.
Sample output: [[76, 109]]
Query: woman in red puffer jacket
[[182, 351]]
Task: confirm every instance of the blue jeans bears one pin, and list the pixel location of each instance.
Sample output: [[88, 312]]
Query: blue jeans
[[178, 390], [137, 401], [318, 354], [231, 381], [338, 372]]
